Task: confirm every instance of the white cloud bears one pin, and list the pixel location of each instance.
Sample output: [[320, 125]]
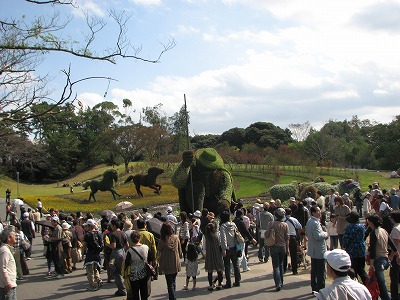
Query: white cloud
[[89, 6], [147, 2], [319, 62], [187, 29]]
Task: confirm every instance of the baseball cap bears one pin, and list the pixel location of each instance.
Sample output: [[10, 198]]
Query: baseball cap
[[90, 222], [26, 214], [280, 212], [65, 225], [169, 209], [197, 214], [338, 259]]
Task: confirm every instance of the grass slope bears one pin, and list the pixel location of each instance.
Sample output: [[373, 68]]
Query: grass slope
[[53, 195]]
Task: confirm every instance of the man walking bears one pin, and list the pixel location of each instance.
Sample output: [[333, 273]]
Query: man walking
[[8, 269], [264, 218], [228, 246], [28, 229], [316, 236]]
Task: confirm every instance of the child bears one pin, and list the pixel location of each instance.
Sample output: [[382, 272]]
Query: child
[[192, 265], [333, 235]]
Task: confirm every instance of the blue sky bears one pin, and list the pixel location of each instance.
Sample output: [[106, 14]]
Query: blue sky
[[244, 61]]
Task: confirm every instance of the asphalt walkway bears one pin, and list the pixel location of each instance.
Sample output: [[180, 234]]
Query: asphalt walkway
[[256, 284]]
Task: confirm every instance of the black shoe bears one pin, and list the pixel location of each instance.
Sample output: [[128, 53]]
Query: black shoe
[[295, 273], [236, 284], [278, 288], [118, 293], [226, 286]]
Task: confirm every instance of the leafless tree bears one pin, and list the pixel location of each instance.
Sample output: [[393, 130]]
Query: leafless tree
[[300, 131], [24, 45]]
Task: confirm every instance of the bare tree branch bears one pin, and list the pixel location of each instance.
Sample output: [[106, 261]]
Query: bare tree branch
[[24, 45]]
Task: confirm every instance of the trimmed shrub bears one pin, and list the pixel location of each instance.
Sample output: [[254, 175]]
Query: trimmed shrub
[[324, 187], [284, 191]]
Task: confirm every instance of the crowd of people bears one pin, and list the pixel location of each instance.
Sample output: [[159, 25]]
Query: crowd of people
[[128, 250]]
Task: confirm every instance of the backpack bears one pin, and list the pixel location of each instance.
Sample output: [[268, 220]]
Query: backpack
[[388, 210], [97, 245], [270, 241]]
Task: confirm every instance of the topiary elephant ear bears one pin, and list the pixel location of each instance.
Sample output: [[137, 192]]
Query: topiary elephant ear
[[319, 179], [307, 189]]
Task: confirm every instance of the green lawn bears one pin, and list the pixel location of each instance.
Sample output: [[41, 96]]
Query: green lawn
[[246, 185]]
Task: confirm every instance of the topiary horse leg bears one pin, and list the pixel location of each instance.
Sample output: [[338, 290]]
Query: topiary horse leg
[[114, 192], [156, 188], [92, 195], [137, 186]]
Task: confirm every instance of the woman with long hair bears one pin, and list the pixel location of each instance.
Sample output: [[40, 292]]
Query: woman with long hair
[[169, 253], [184, 234], [214, 260], [341, 211]]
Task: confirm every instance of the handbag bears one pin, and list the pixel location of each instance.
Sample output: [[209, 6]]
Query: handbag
[[372, 285], [149, 268], [239, 239], [25, 245], [270, 240]]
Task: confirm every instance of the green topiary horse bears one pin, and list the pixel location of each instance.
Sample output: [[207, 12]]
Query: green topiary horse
[[106, 184]]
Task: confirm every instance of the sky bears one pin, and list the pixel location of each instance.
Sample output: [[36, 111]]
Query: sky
[[243, 61]]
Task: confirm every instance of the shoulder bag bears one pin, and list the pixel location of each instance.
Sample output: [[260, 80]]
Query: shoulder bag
[[270, 240], [149, 268]]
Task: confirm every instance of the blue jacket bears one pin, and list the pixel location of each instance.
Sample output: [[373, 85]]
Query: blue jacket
[[316, 238]]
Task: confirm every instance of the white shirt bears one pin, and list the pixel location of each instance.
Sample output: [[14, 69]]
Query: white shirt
[[331, 229], [366, 205], [383, 206], [344, 288], [296, 223], [321, 203]]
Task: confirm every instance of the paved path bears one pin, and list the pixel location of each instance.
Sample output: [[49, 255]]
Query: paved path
[[256, 283]]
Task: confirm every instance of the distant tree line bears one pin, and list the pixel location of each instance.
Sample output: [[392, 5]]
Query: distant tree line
[[55, 145]]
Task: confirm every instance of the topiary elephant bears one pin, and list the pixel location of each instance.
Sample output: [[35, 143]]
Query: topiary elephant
[[203, 174]]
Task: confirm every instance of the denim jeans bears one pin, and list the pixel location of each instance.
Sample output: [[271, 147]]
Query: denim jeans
[[380, 277], [263, 250], [358, 264], [394, 279], [318, 273], [334, 242], [140, 287], [117, 257], [293, 253], [9, 295], [171, 285], [277, 255], [231, 256], [242, 261]]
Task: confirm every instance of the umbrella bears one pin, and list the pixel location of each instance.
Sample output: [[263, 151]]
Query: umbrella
[[45, 223], [353, 185], [18, 202], [123, 205], [107, 213]]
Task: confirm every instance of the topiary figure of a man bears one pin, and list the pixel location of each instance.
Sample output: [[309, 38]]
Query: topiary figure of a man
[[211, 182]]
